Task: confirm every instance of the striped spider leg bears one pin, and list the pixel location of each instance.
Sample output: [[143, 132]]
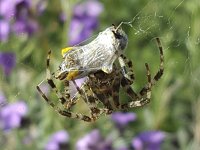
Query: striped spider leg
[[145, 92], [64, 98], [94, 104]]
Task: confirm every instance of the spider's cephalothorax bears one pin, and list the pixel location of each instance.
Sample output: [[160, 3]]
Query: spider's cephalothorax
[[101, 90]]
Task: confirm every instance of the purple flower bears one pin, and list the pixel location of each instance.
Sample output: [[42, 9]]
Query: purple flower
[[84, 21], [25, 26], [7, 61], [58, 141], [11, 8], [15, 16], [14, 8], [149, 140], [122, 119], [23, 22], [4, 30], [91, 8], [8, 9], [94, 141], [11, 115]]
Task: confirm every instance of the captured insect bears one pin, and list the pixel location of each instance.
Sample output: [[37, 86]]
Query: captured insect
[[101, 91], [99, 54]]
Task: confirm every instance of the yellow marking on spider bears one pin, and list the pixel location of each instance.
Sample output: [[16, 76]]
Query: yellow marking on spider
[[64, 50], [72, 74]]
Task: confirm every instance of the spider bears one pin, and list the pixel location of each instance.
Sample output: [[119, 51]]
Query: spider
[[101, 90], [64, 97]]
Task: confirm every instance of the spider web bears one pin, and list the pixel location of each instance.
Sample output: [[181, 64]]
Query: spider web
[[148, 24]]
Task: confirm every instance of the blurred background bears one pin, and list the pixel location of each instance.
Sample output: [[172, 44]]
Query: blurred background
[[30, 28]]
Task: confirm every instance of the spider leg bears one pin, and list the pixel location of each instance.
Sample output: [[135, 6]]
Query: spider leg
[[124, 63], [91, 100], [125, 84], [68, 104], [159, 74], [138, 100], [73, 101], [88, 95], [65, 113], [161, 68], [51, 82], [64, 100], [145, 92], [104, 98]]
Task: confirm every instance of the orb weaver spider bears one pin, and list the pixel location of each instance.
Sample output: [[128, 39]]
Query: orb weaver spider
[[102, 88]]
